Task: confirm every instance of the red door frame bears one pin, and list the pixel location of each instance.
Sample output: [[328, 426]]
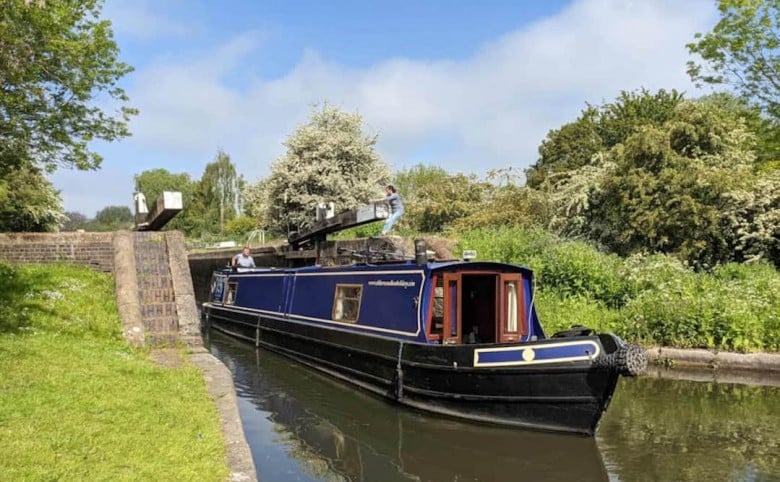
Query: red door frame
[[452, 283]]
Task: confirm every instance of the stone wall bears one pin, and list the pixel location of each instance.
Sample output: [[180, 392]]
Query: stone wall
[[90, 249]]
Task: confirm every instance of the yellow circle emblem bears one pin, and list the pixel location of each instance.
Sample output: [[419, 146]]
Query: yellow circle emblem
[[528, 354]]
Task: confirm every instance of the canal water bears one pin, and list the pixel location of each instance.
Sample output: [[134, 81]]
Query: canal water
[[302, 426]]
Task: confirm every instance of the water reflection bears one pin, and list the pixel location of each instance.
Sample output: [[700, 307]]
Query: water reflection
[[680, 430], [302, 426]]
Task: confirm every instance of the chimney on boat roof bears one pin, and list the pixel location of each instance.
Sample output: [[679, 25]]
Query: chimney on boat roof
[[420, 252]]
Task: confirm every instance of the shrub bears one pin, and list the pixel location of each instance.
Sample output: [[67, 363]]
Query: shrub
[[654, 299], [240, 226]]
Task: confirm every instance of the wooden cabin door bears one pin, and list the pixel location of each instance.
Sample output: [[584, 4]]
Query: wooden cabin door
[[512, 323], [452, 309]]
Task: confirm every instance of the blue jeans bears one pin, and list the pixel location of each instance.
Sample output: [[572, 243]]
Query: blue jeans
[[392, 220]]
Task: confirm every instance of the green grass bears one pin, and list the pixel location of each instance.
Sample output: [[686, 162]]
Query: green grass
[[78, 403]]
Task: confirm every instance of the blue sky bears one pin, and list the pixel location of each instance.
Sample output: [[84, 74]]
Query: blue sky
[[465, 85]]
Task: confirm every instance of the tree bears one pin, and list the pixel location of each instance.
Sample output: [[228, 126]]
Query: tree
[[111, 218], [56, 60], [434, 198], [28, 201], [154, 181], [668, 188], [751, 219], [75, 220], [742, 51], [216, 197], [766, 129], [567, 148], [327, 159], [598, 129]]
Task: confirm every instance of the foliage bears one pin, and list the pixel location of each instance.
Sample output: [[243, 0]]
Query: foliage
[[751, 219], [153, 182], [569, 195], [114, 215], [736, 308], [328, 159], [690, 185], [742, 51], [65, 406], [504, 203], [216, 197], [75, 220], [766, 129], [58, 67], [652, 299], [28, 201], [433, 198], [364, 231], [668, 188], [569, 268], [240, 225], [567, 148], [111, 218], [599, 129], [559, 313], [254, 198]]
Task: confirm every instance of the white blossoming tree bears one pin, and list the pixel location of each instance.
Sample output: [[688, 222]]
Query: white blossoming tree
[[328, 159]]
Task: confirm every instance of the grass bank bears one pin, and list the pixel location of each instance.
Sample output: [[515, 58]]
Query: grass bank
[[77, 403], [649, 299]]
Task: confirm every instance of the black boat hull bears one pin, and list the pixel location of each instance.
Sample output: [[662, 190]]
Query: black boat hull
[[559, 397]]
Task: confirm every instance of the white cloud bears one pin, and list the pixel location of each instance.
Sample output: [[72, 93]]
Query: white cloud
[[137, 19], [492, 109]]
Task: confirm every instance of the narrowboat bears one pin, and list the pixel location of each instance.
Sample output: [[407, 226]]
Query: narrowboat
[[456, 338]]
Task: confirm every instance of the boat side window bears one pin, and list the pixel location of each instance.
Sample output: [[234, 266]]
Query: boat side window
[[217, 288], [230, 297], [346, 302], [511, 308], [513, 323]]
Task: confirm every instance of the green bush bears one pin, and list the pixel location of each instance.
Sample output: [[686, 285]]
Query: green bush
[[571, 268], [561, 313], [651, 299], [240, 226]]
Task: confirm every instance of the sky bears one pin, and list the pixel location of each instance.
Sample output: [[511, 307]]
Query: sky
[[465, 85]]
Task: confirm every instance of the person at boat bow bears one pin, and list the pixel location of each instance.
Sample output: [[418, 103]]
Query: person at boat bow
[[244, 259], [396, 208]]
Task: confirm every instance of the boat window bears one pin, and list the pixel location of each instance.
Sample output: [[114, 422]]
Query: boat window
[[230, 298], [511, 306], [346, 302], [217, 288]]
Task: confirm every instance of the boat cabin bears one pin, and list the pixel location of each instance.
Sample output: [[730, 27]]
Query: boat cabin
[[448, 303]]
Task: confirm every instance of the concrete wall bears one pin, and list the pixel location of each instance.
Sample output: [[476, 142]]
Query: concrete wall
[[90, 249]]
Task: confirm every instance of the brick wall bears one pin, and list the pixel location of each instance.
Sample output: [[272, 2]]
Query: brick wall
[[90, 249], [155, 288]]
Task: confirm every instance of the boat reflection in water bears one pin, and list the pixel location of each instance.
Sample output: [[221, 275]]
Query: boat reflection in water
[[329, 431]]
